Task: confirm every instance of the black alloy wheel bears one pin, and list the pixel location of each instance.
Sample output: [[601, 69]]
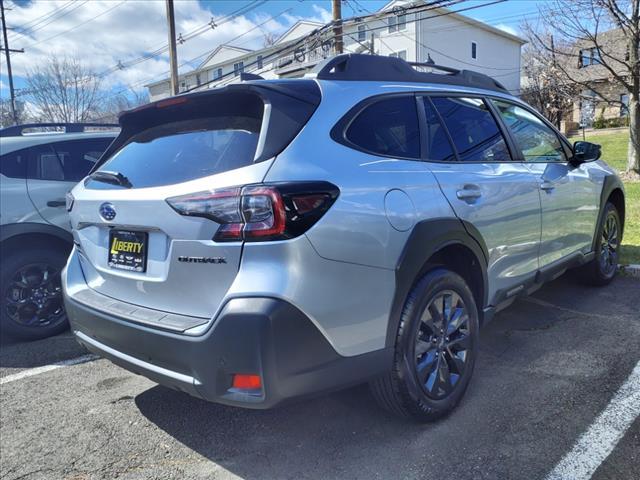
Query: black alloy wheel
[[435, 349], [442, 344], [609, 243], [33, 297]]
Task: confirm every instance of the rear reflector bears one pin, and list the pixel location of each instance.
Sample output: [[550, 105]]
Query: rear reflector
[[260, 212], [247, 382]]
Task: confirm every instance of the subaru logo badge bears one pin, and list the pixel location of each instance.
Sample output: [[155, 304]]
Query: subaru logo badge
[[107, 211]]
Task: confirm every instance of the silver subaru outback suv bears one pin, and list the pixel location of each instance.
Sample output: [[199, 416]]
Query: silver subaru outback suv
[[270, 240]]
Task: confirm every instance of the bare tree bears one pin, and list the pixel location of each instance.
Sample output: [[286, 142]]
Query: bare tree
[[64, 90], [609, 30], [114, 105], [268, 39], [545, 87], [6, 116]]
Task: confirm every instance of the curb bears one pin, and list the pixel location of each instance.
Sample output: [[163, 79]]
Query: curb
[[633, 270]]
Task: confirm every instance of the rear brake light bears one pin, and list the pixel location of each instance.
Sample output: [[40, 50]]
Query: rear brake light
[[260, 212], [246, 382]]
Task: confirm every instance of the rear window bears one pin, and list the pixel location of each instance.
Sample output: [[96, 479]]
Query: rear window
[[182, 151], [207, 133]]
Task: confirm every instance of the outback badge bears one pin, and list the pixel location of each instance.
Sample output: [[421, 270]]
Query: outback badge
[[215, 260]]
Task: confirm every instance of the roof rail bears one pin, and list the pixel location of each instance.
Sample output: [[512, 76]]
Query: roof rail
[[17, 130], [355, 66]]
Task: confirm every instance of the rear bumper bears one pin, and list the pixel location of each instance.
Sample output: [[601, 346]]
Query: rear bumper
[[264, 336]]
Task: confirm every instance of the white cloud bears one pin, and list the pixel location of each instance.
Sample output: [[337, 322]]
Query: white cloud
[[120, 32]]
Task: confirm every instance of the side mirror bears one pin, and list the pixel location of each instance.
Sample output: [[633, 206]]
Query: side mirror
[[584, 152]]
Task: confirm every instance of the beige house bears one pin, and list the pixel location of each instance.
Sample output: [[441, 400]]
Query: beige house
[[586, 67]]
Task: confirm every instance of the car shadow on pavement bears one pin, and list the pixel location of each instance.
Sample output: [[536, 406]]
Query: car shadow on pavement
[[336, 433]]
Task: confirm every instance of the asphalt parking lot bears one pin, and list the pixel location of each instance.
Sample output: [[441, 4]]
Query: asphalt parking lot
[[549, 366]]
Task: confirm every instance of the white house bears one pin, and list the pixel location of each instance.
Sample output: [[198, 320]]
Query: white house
[[437, 35]]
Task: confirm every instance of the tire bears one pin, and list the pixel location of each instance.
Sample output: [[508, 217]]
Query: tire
[[603, 268], [422, 352], [30, 278]]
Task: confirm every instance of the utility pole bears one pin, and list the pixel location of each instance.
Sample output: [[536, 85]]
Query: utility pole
[[336, 8], [172, 47], [7, 52]]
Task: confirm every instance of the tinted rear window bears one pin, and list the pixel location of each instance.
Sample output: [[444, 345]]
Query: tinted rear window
[[182, 151], [208, 132], [388, 127]]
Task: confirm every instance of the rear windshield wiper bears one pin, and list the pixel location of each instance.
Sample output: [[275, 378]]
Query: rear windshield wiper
[[115, 178]]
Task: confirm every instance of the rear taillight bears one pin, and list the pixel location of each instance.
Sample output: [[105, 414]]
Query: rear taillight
[[260, 212]]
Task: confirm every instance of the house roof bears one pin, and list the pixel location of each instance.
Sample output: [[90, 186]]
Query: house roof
[[301, 26], [233, 50]]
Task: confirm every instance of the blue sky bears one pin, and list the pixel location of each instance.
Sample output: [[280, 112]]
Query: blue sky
[[508, 13], [109, 33]]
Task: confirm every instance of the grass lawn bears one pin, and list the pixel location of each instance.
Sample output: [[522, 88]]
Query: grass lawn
[[614, 152]]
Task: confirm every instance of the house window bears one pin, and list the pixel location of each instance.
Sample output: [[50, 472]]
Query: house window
[[259, 61], [397, 23], [474, 50], [402, 22], [238, 68], [217, 74], [589, 56], [401, 54], [624, 108], [362, 33]]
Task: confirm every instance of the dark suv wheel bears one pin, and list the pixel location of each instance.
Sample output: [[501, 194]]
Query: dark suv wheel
[[435, 350], [602, 269], [30, 292]]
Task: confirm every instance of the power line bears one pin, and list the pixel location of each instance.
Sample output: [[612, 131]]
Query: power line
[[53, 18], [212, 24], [147, 80], [38, 20], [78, 25]]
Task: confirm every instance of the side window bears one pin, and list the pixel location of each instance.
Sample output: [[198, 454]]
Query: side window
[[14, 164], [68, 161], [438, 146], [388, 127], [536, 140], [474, 131]]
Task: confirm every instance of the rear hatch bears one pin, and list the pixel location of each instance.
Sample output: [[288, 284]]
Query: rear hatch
[[138, 242]]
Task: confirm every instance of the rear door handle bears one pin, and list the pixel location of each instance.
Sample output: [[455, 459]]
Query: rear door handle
[[546, 185], [56, 203], [469, 193]]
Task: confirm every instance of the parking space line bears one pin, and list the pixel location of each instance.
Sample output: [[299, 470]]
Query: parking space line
[[595, 445], [47, 368]]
